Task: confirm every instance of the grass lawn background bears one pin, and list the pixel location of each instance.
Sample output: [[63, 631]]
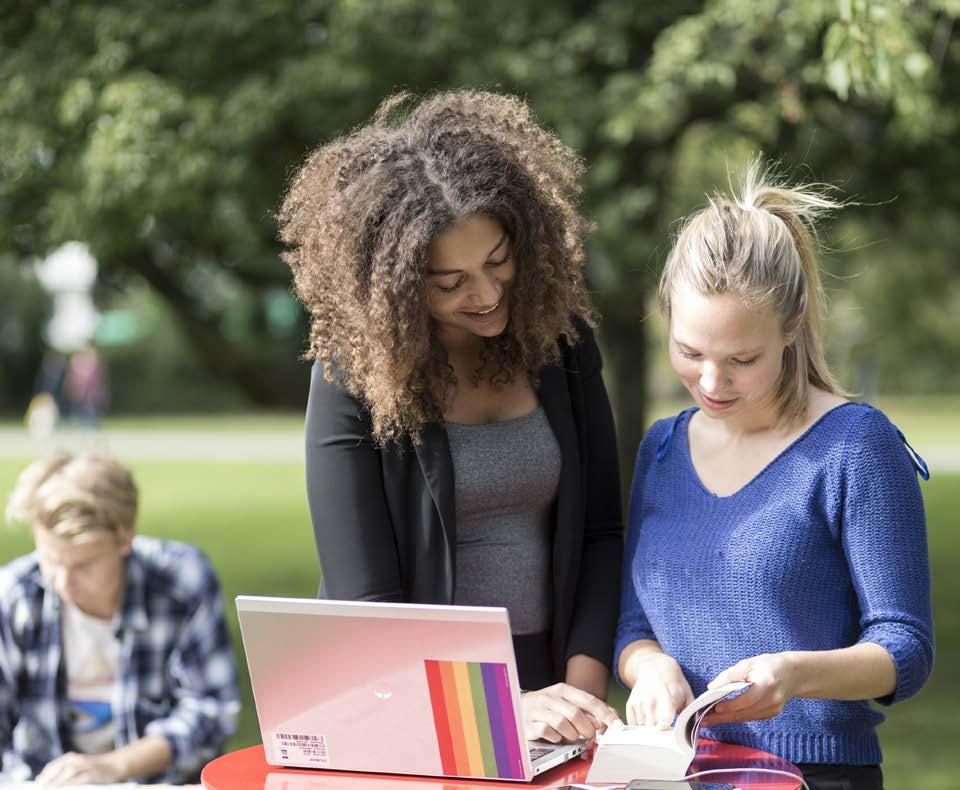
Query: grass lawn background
[[251, 519], [927, 420]]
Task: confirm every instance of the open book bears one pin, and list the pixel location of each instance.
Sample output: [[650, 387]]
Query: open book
[[633, 751]]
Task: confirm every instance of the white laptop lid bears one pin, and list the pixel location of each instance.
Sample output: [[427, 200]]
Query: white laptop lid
[[379, 687]]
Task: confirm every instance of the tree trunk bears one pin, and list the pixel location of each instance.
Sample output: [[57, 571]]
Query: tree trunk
[[264, 383], [623, 338]]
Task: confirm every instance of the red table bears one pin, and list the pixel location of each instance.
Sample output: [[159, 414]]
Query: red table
[[247, 770]]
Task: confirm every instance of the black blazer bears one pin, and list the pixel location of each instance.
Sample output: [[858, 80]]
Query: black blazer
[[384, 517]]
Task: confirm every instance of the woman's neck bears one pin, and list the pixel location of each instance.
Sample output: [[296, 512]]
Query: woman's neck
[[460, 344], [766, 419]]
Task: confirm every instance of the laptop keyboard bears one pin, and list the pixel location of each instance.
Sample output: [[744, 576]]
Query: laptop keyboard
[[536, 752]]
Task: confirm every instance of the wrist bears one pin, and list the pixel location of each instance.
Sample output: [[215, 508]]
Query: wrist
[[801, 679], [588, 674], [118, 765], [646, 660]]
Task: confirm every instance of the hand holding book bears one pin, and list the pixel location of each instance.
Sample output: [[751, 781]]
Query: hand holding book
[[772, 678], [865, 670]]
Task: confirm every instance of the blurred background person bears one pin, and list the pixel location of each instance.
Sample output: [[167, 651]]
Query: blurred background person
[[51, 377], [86, 387], [132, 625]]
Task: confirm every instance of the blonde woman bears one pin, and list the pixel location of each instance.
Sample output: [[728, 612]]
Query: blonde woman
[[460, 445], [776, 529], [115, 662]]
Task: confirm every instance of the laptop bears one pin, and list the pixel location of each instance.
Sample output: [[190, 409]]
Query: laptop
[[390, 688]]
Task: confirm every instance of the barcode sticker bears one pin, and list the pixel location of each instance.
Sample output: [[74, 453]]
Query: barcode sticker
[[295, 748]]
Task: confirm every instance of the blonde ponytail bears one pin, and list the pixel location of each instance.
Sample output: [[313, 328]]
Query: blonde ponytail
[[762, 246]]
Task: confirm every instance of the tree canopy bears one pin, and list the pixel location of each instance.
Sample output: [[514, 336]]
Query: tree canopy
[[162, 134]]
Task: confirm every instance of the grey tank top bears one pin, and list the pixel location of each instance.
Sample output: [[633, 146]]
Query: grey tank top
[[506, 476]]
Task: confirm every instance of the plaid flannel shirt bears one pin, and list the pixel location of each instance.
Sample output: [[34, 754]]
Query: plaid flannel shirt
[[176, 677]]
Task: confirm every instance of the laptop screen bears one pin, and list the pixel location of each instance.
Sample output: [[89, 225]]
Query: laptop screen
[[376, 687]]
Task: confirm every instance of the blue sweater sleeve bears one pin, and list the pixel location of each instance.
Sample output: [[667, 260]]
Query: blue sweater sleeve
[[883, 531], [633, 624]]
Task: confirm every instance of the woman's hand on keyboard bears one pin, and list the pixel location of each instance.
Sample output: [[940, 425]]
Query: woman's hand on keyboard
[[562, 712]]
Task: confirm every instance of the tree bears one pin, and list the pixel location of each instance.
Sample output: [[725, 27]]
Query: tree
[[669, 99], [162, 136], [24, 308]]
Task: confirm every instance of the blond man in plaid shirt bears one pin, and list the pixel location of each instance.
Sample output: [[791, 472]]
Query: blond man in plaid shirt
[[115, 662]]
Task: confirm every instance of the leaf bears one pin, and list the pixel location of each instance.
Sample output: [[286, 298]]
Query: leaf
[[838, 78]]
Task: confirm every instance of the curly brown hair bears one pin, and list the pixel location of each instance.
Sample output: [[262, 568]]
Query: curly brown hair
[[359, 217]]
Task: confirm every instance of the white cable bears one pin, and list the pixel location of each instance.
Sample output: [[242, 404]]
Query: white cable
[[679, 782], [746, 770]]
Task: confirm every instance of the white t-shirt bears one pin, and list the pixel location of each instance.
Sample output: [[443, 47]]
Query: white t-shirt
[[92, 654]]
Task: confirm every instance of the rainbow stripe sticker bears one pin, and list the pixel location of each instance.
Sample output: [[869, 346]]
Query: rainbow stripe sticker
[[473, 715]]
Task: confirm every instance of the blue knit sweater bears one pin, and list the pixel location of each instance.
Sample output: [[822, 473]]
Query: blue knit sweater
[[826, 547]]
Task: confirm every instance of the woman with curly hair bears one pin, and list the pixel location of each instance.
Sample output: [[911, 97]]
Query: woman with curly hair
[[460, 444]]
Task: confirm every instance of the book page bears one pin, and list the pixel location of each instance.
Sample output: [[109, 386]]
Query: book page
[[686, 728], [619, 734]]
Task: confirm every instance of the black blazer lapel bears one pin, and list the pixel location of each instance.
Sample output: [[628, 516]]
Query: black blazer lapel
[[568, 538], [433, 453]]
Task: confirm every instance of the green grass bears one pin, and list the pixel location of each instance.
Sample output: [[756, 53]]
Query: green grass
[[236, 423], [252, 422], [926, 419], [252, 520]]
